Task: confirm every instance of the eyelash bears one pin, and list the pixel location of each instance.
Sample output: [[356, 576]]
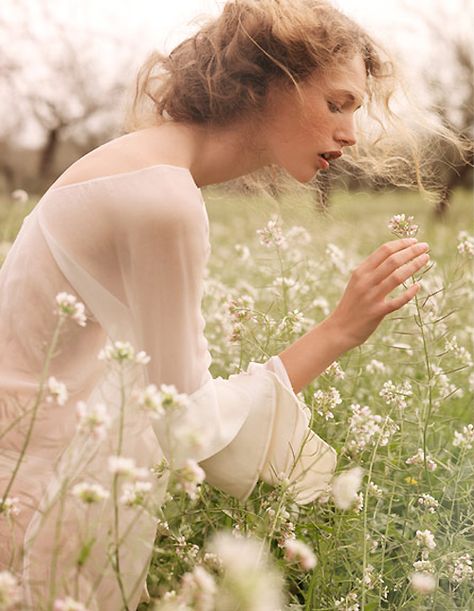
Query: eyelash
[[333, 107]]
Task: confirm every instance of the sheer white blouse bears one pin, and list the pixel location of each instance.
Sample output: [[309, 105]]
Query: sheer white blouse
[[133, 248]]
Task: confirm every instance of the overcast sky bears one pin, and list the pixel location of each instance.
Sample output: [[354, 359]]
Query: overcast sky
[[142, 25]]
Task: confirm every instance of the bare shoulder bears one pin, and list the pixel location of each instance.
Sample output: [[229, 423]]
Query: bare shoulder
[[122, 154]]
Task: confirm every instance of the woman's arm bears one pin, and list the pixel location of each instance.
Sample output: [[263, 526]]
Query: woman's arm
[[360, 310]]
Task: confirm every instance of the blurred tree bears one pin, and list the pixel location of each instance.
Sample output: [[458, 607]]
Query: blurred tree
[[70, 81], [450, 83]]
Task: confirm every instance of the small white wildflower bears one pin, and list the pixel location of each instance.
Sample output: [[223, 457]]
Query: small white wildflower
[[172, 400], [403, 226], [57, 391], [336, 257], [335, 370], [243, 252], [458, 351], [121, 465], [374, 490], [347, 603], [149, 400], [135, 493], [464, 439], [299, 235], [359, 503], [375, 366], [396, 394], [325, 401], [461, 569], [271, 234], [425, 539], [119, 351], [90, 492], [370, 578], [366, 428], [345, 486], [68, 604], [198, 590], [190, 478], [93, 419], [10, 593], [419, 459], [423, 583], [320, 303], [428, 502], [20, 196], [424, 566], [300, 552], [465, 244], [68, 306], [142, 358], [10, 506]]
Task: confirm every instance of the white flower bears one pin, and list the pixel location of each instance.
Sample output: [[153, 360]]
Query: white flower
[[466, 438], [465, 244], [90, 492], [249, 580], [336, 257], [57, 391], [374, 490], [121, 465], [20, 196], [198, 589], [171, 399], [10, 506], [335, 370], [347, 603], [403, 226], [93, 419], [10, 593], [419, 459], [300, 552], [461, 568], [149, 400], [135, 493], [428, 502], [322, 304], [375, 366], [122, 352], [68, 306], [68, 604], [425, 538], [424, 566], [366, 428], [396, 394], [189, 477], [242, 251], [271, 234], [325, 401], [345, 486], [458, 351], [423, 583]]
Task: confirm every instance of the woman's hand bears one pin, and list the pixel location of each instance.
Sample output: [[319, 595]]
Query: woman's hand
[[365, 301]]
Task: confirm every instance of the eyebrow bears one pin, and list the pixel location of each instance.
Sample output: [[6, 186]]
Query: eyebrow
[[349, 95]]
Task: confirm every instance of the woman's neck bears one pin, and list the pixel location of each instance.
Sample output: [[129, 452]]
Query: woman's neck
[[212, 155]]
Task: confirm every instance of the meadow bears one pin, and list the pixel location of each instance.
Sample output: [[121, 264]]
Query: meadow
[[399, 411]]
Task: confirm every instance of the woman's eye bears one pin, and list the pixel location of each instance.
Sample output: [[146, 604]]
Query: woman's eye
[[333, 107]]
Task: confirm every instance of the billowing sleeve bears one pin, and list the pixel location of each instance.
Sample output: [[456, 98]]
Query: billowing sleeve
[[251, 425]]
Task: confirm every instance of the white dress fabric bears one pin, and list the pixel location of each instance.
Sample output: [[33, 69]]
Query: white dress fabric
[[132, 247]]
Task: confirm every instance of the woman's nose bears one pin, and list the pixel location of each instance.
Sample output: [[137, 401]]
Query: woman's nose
[[345, 135]]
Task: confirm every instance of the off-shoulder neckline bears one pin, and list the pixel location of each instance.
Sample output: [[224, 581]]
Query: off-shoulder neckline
[[123, 174]]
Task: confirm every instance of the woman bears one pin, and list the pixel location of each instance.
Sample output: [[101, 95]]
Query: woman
[[125, 231]]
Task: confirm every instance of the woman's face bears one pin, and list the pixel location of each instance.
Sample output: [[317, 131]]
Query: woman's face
[[296, 132]]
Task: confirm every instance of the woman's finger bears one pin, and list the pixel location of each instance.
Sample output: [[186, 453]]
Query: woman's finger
[[402, 273], [384, 251], [391, 305], [397, 259]]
